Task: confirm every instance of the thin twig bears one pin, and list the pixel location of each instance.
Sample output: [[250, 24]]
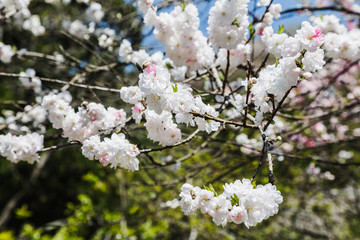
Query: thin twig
[[313, 9], [278, 108], [220, 120], [188, 139], [65, 83], [247, 92]]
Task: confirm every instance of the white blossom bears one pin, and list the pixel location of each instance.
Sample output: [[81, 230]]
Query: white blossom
[[25, 147], [239, 203], [6, 53]]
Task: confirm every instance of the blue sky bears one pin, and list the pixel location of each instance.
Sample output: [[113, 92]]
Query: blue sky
[[290, 20]]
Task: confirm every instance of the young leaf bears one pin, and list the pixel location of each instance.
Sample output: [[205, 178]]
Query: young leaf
[[234, 199], [235, 22], [175, 87], [281, 29], [183, 5]]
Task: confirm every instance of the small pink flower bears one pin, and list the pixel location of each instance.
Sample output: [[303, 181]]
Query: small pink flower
[[151, 70], [261, 30], [350, 25], [93, 116], [310, 143], [137, 109], [118, 114], [190, 60], [104, 161], [236, 217], [318, 36]]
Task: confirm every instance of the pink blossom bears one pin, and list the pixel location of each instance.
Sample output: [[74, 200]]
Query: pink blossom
[[151, 70], [350, 25], [318, 34], [103, 160], [118, 114], [310, 143], [137, 109]]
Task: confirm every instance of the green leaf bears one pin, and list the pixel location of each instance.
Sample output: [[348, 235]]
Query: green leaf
[[251, 28], [234, 199], [211, 189], [235, 22], [175, 87], [168, 66], [252, 31], [183, 5], [23, 212], [277, 62], [6, 235], [281, 29]]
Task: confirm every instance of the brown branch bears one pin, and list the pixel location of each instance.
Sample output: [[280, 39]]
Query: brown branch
[[318, 160], [188, 139], [220, 120], [313, 9], [65, 83], [249, 70], [189, 155], [278, 108], [102, 60], [55, 147]]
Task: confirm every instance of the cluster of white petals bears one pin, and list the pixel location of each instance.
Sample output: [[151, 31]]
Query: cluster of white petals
[[179, 31], [138, 57], [77, 28], [87, 124], [274, 11], [6, 53], [163, 99], [116, 151], [21, 148], [236, 56], [89, 120], [228, 23], [94, 12], [161, 128], [278, 78], [18, 9], [239, 203], [310, 38], [263, 3], [29, 80], [33, 24], [339, 42], [145, 5]]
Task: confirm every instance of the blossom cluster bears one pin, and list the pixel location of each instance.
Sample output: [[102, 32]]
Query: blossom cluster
[[23, 147], [239, 203], [18, 9], [6, 53], [278, 78], [87, 124], [106, 36], [162, 98], [179, 31], [228, 23], [89, 120], [116, 151], [339, 42]]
